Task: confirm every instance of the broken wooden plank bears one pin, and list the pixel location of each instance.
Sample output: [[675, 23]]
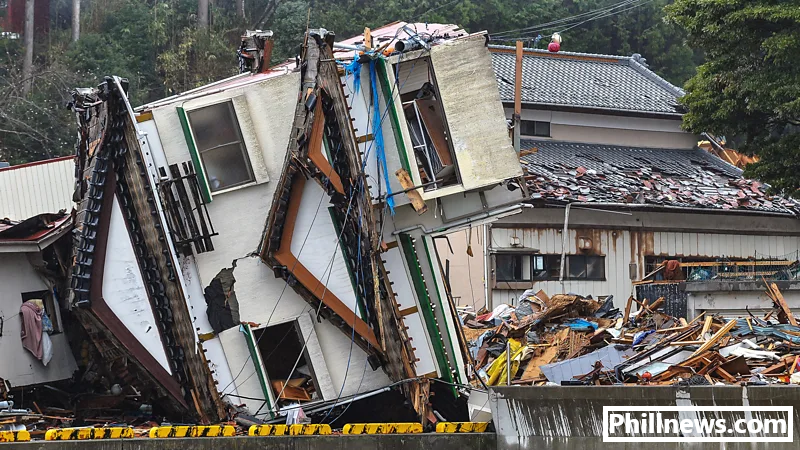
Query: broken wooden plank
[[413, 194], [706, 326], [781, 302], [716, 337], [628, 309]]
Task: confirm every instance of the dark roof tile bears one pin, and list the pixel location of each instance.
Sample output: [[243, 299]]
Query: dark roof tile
[[585, 81], [571, 172]]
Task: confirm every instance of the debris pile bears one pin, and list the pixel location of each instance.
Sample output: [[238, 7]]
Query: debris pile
[[573, 340]]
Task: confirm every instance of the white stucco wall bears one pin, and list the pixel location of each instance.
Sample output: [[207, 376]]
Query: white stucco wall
[[19, 366]]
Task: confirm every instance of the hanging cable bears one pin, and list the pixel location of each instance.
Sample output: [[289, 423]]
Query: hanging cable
[[555, 24]]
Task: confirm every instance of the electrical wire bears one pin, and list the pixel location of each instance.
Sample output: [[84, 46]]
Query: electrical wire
[[607, 15], [419, 16], [569, 22], [560, 22]]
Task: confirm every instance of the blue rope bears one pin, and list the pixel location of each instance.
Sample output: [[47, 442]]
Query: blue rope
[[377, 134]]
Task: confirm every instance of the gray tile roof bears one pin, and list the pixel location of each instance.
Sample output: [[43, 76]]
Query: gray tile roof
[[574, 172], [585, 81]]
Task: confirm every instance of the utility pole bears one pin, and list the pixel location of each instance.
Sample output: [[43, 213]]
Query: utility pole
[[27, 62], [76, 20], [517, 95], [202, 13]]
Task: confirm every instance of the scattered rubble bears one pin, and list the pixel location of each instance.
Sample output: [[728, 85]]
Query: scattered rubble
[[574, 340]]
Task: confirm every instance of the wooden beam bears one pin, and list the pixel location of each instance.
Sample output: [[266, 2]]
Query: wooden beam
[[628, 309], [781, 302], [285, 257], [717, 336], [706, 326], [413, 194], [315, 150]]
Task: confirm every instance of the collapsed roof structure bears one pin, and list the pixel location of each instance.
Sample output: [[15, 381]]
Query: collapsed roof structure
[[195, 219]]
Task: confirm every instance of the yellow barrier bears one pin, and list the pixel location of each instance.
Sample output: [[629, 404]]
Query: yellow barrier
[[74, 434], [181, 431], [461, 427], [382, 428], [14, 436], [292, 430]]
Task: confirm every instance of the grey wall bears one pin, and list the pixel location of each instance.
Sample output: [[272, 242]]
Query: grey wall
[[559, 418]]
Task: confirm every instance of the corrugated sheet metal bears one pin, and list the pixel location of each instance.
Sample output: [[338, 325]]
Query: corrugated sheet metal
[[675, 298], [623, 247], [42, 187]]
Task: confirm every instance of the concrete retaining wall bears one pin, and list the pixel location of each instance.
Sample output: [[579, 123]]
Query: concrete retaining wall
[[477, 441], [572, 417]]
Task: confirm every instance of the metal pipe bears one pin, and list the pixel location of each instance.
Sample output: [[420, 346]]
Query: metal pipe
[[564, 246], [487, 267], [357, 48], [508, 363]]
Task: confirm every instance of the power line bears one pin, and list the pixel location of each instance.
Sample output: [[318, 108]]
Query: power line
[[566, 21], [608, 14], [419, 16]]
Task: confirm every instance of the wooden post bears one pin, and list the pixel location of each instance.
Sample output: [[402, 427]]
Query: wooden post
[[517, 96]]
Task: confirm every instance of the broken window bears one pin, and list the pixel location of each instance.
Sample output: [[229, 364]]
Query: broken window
[[219, 142], [534, 128], [48, 304], [426, 123], [285, 359]]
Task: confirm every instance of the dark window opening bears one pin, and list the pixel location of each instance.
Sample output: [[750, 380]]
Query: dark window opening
[[280, 346], [219, 141], [511, 267], [50, 306], [426, 123], [537, 267], [534, 128]]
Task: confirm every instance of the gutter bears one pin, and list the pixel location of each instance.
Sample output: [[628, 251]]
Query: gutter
[[514, 209], [589, 205]]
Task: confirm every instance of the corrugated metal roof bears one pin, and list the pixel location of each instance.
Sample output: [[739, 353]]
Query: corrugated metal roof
[[568, 369], [621, 83], [575, 172], [40, 187]]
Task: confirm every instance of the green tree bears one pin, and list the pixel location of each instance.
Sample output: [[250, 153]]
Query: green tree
[[749, 87]]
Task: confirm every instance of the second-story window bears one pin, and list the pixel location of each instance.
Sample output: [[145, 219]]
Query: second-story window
[[534, 128], [219, 141]]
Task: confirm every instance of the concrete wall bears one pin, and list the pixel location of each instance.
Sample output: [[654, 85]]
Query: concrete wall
[[572, 417], [629, 237], [477, 441], [20, 367], [611, 130]]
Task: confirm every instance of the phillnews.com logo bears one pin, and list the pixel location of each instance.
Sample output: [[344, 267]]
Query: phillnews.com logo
[[698, 424]]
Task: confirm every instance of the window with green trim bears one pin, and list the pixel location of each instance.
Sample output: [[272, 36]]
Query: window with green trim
[[219, 142]]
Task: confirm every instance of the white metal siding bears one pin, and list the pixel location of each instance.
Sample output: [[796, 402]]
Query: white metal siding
[[40, 188], [630, 247]]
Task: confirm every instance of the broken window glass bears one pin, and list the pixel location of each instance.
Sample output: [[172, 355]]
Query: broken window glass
[[219, 141]]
